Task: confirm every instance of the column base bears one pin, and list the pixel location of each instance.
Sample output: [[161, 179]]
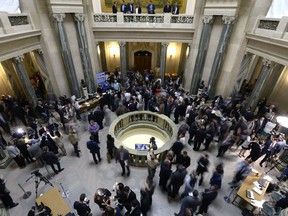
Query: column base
[[5, 162]]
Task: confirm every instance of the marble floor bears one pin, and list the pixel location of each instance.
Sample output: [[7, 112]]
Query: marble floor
[[81, 175]]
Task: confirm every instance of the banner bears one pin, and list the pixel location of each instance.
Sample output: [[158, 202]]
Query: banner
[[100, 78]]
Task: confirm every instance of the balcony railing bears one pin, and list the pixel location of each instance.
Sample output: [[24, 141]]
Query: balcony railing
[[143, 18], [16, 20], [269, 24]]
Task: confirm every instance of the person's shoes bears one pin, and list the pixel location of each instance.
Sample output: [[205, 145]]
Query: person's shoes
[[14, 205], [128, 174], [61, 170], [96, 162], [260, 165], [123, 174]]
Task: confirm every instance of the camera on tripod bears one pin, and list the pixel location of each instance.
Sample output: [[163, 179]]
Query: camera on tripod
[[36, 173]]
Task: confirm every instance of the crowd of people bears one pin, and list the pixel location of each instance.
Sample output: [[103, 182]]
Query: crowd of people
[[228, 123]]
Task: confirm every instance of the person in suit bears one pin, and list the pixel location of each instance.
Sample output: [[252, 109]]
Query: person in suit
[[130, 7], [190, 201], [123, 158], [82, 206], [123, 7], [5, 195], [138, 9], [208, 196], [131, 196], [94, 149], [150, 8], [114, 7], [50, 158], [167, 8], [175, 10]]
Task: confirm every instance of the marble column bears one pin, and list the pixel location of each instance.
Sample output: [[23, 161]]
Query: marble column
[[66, 54], [252, 68], [84, 53], [102, 55], [244, 66], [123, 62], [25, 81], [201, 55], [272, 80], [259, 85], [163, 60], [39, 57], [220, 54]]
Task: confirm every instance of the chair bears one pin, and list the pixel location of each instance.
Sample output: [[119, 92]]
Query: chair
[[269, 210], [276, 196]]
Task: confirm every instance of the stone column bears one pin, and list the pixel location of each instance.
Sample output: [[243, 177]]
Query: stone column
[[163, 61], [25, 81], [43, 71], [123, 62], [84, 53], [272, 80], [259, 85], [244, 66], [220, 54], [201, 55], [252, 68], [66, 54]]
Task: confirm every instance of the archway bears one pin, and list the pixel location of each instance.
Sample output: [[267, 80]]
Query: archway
[[142, 61]]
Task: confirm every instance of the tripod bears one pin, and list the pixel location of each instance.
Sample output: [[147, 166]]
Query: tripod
[[38, 178]]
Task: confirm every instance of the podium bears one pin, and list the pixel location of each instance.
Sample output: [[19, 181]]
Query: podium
[[54, 201]]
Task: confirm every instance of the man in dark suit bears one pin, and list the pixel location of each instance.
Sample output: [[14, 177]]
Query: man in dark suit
[[82, 206], [123, 158], [138, 9], [167, 8], [207, 197], [131, 196], [175, 10], [50, 158], [130, 7], [94, 149], [123, 7], [150, 8], [114, 7]]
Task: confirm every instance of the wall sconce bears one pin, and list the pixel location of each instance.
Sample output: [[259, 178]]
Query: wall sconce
[[113, 51], [187, 51], [171, 51], [98, 49]]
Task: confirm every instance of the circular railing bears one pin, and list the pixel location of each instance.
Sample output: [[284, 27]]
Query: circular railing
[[144, 119]]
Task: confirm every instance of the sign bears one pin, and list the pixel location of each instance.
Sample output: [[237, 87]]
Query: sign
[[142, 147], [100, 78]]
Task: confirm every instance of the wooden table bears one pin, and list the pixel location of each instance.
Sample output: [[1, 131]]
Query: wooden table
[[55, 202], [89, 104], [242, 201]]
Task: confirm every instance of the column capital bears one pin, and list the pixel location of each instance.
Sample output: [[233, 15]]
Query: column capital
[[58, 17], [207, 19], [122, 44], [39, 51], [267, 62], [80, 17], [164, 44], [228, 19], [18, 59]]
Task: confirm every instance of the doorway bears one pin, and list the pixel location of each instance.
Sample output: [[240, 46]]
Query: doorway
[[142, 61]]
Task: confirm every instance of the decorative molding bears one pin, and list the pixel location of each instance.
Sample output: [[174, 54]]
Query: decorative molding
[[18, 20], [182, 19], [208, 19], [228, 19], [19, 59], [267, 62], [80, 17], [122, 44], [105, 18], [164, 44], [268, 24], [144, 18], [58, 17]]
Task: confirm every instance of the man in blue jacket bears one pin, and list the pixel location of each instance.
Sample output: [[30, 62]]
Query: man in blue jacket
[[94, 149]]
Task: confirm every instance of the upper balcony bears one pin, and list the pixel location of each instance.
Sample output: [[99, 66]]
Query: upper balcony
[[269, 39], [156, 27]]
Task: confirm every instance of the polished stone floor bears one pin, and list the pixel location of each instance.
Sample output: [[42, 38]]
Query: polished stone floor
[[81, 175]]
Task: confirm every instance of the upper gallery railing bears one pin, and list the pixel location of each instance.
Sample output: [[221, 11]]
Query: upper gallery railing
[[272, 27], [13, 23], [143, 18]]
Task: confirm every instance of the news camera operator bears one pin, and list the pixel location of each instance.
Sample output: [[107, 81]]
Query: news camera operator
[[82, 206]]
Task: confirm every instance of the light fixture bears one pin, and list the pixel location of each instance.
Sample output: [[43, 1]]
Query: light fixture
[[187, 51], [113, 50], [283, 121], [171, 51]]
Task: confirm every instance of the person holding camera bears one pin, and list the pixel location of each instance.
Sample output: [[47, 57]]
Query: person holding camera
[[82, 206]]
